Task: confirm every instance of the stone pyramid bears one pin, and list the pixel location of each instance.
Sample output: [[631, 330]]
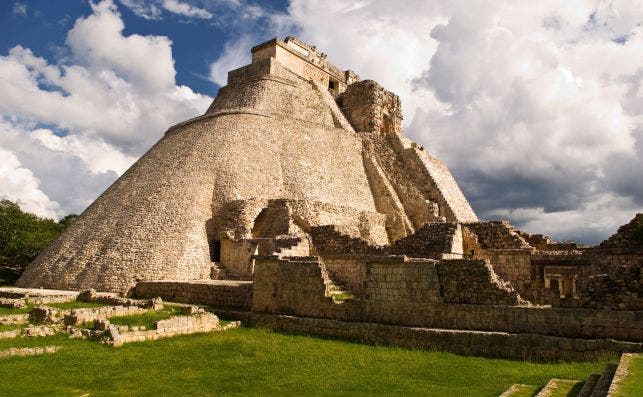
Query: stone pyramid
[[291, 142]]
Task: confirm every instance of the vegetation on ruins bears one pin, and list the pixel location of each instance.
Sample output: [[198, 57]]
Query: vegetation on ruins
[[249, 361], [22, 237]]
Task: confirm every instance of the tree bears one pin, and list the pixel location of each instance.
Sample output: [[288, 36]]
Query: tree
[[24, 235]]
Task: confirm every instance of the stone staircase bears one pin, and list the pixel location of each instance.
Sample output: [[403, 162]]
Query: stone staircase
[[335, 288], [338, 291], [560, 387], [596, 385], [604, 381]]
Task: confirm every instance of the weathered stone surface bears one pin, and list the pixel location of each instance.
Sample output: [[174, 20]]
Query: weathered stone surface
[[275, 132]]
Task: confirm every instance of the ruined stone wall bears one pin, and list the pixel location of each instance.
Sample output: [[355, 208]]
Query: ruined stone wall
[[349, 270], [370, 108], [619, 290], [514, 266], [497, 235], [628, 236], [474, 282], [236, 294], [298, 288], [527, 346], [394, 280], [433, 240], [290, 287], [430, 195]]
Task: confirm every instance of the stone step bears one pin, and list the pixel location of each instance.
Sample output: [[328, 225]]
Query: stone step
[[588, 386], [605, 380], [518, 389], [621, 372], [558, 387]]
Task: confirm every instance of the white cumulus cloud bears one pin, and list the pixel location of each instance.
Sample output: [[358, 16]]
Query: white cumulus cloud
[[19, 185]]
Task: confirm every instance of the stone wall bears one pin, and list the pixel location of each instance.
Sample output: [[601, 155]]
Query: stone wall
[[433, 240], [629, 235], [514, 266], [395, 280], [350, 270], [474, 282], [298, 288], [179, 325], [497, 235], [527, 346], [221, 293], [619, 290], [436, 174], [294, 286], [370, 108]]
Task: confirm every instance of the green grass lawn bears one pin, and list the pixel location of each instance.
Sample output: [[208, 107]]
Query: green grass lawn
[[249, 361], [632, 385], [24, 310], [10, 327], [64, 305]]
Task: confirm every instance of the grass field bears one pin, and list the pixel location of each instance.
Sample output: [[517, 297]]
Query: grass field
[[632, 385], [259, 362]]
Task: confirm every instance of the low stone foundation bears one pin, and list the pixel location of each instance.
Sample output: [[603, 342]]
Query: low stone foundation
[[80, 316], [12, 303], [180, 325], [29, 351], [220, 293], [31, 331], [478, 343], [14, 319], [49, 315]]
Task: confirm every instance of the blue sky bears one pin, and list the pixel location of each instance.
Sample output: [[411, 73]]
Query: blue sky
[[536, 108], [196, 43]]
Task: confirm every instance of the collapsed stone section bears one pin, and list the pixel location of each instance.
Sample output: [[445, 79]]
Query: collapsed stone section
[[474, 282], [629, 235], [370, 108], [434, 240]]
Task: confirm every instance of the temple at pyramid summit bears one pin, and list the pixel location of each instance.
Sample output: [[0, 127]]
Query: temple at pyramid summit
[[296, 196]]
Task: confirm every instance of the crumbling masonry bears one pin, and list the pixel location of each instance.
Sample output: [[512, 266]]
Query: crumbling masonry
[[295, 196]]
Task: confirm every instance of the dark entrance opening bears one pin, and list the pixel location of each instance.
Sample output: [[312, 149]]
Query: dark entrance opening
[[215, 251]]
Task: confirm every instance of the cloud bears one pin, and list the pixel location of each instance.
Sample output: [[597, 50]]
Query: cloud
[[536, 108], [19, 185], [235, 55], [78, 124], [143, 8], [19, 9], [222, 12], [185, 9]]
